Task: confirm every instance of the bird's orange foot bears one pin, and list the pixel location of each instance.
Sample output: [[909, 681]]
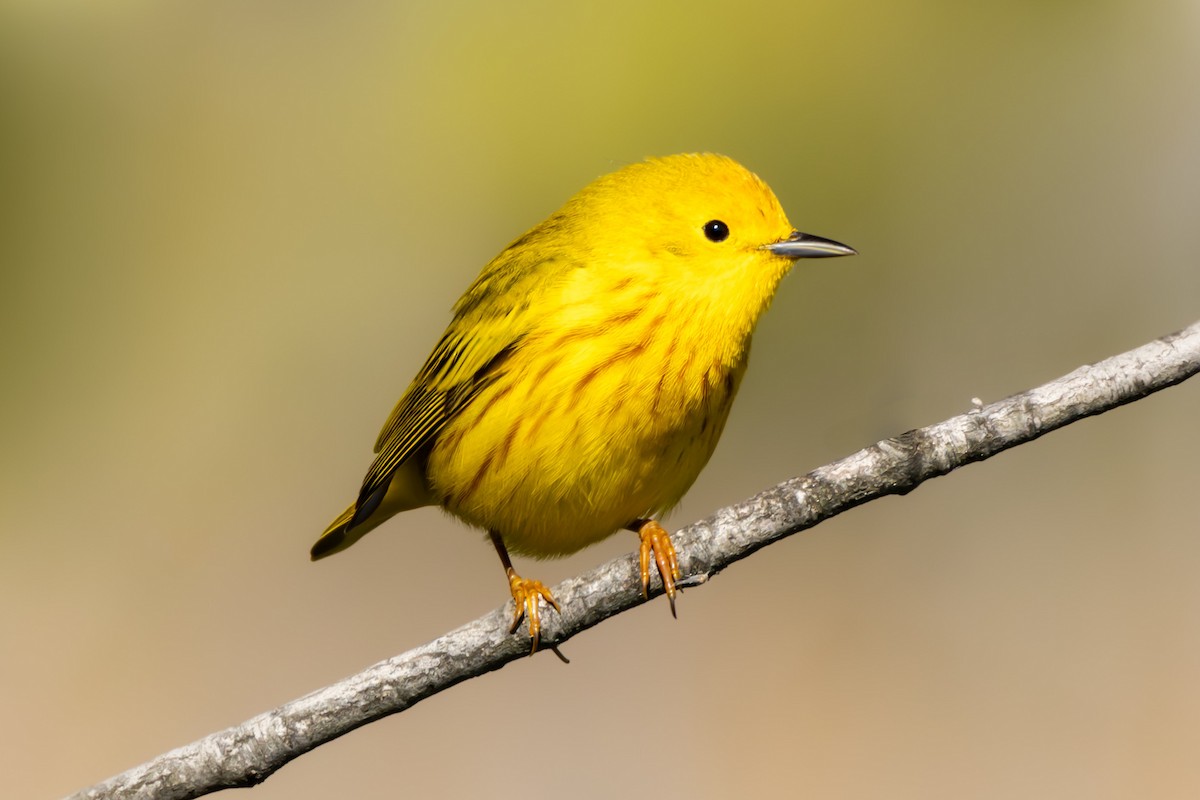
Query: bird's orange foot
[[526, 594], [656, 540]]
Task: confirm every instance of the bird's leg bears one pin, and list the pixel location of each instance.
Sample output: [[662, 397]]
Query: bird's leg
[[525, 595], [656, 540]]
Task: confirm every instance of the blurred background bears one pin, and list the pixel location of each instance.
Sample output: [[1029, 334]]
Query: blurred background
[[230, 233]]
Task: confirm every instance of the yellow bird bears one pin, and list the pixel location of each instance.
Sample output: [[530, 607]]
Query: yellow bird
[[588, 371]]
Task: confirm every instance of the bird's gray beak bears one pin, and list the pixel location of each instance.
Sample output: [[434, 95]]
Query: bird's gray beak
[[805, 245]]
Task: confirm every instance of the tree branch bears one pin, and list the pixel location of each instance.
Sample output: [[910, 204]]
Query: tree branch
[[247, 754]]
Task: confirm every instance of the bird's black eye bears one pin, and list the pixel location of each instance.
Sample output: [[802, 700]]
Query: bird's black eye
[[716, 231]]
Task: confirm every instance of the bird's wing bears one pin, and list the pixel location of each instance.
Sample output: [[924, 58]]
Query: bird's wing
[[490, 321], [455, 373]]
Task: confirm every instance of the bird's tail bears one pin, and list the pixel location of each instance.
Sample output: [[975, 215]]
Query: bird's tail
[[405, 490], [339, 535]]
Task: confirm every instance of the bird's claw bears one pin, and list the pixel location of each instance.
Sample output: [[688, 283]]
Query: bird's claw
[[526, 593], [656, 541]]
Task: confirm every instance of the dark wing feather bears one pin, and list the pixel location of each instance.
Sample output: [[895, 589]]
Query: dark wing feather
[[434, 398], [490, 321]]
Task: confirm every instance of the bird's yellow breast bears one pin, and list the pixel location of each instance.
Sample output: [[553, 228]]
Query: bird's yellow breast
[[605, 414]]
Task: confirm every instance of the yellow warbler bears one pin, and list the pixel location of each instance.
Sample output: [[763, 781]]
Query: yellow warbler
[[587, 373]]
